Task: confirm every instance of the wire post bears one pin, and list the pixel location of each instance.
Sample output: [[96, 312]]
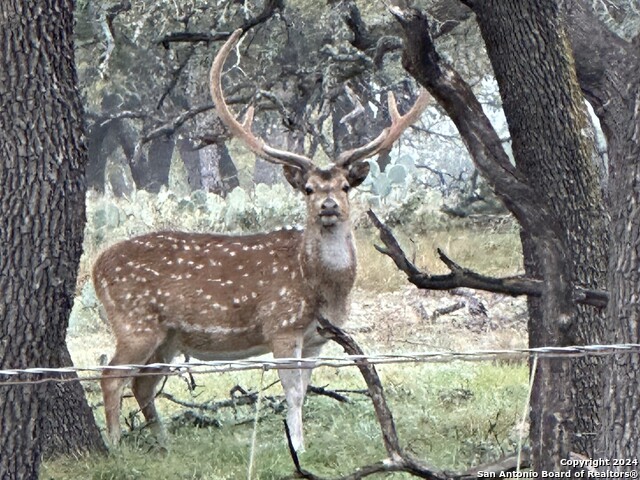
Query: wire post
[[254, 435], [525, 412]]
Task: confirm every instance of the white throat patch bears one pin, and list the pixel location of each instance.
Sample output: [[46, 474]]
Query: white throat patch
[[337, 250]]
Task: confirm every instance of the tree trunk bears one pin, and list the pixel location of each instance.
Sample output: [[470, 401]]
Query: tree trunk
[[151, 171], [608, 68], [42, 215], [553, 191]]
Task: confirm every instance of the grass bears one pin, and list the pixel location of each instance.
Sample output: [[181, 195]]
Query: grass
[[452, 415]]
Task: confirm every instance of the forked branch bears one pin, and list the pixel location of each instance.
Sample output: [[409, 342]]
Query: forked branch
[[398, 460], [464, 277]]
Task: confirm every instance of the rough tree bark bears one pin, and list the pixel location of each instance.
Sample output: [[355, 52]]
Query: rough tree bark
[[607, 67], [42, 216]]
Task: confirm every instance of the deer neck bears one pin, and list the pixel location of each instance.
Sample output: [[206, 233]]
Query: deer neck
[[329, 254]]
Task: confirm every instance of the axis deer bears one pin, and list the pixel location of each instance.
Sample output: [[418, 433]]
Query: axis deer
[[217, 297]]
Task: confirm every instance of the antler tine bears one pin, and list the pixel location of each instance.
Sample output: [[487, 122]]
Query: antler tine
[[243, 130], [389, 135]]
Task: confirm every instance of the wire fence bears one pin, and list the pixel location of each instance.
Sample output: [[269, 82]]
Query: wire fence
[[43, 374]]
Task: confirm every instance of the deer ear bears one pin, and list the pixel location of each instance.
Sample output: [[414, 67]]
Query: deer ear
[[296, 177], [357, 173]]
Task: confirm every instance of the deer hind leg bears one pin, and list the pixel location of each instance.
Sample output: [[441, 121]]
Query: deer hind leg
[[144, 390], [134, 349], [294, 386]]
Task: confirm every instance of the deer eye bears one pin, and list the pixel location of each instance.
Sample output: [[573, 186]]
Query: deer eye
[[308, 190], [346, 188]]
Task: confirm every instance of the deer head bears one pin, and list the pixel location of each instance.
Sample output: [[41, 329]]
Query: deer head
[[326, 190]]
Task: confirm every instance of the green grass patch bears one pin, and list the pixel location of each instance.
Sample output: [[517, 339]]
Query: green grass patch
[[451, 415]]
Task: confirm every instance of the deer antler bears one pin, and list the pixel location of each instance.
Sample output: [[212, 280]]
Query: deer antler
[[243, 130], [389, 135]]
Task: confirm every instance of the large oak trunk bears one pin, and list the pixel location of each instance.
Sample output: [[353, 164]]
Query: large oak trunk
[[42, 216]]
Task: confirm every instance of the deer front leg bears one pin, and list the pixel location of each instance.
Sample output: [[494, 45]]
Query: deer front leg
[[294, 385]]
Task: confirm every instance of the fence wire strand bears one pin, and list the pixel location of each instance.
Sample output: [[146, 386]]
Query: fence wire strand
[[42, 374]]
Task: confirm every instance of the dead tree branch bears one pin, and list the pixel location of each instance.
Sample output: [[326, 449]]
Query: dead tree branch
[[464, 277]]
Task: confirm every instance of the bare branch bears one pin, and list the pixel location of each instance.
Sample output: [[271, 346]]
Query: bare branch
[[463, 277], [270, 8]]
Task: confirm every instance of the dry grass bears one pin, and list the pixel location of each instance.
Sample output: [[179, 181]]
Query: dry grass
[[491, 251]]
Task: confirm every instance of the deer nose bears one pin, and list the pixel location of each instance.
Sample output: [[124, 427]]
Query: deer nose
[[329, 204]]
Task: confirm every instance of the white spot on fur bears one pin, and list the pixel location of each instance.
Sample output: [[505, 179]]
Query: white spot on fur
[[180, 260]]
